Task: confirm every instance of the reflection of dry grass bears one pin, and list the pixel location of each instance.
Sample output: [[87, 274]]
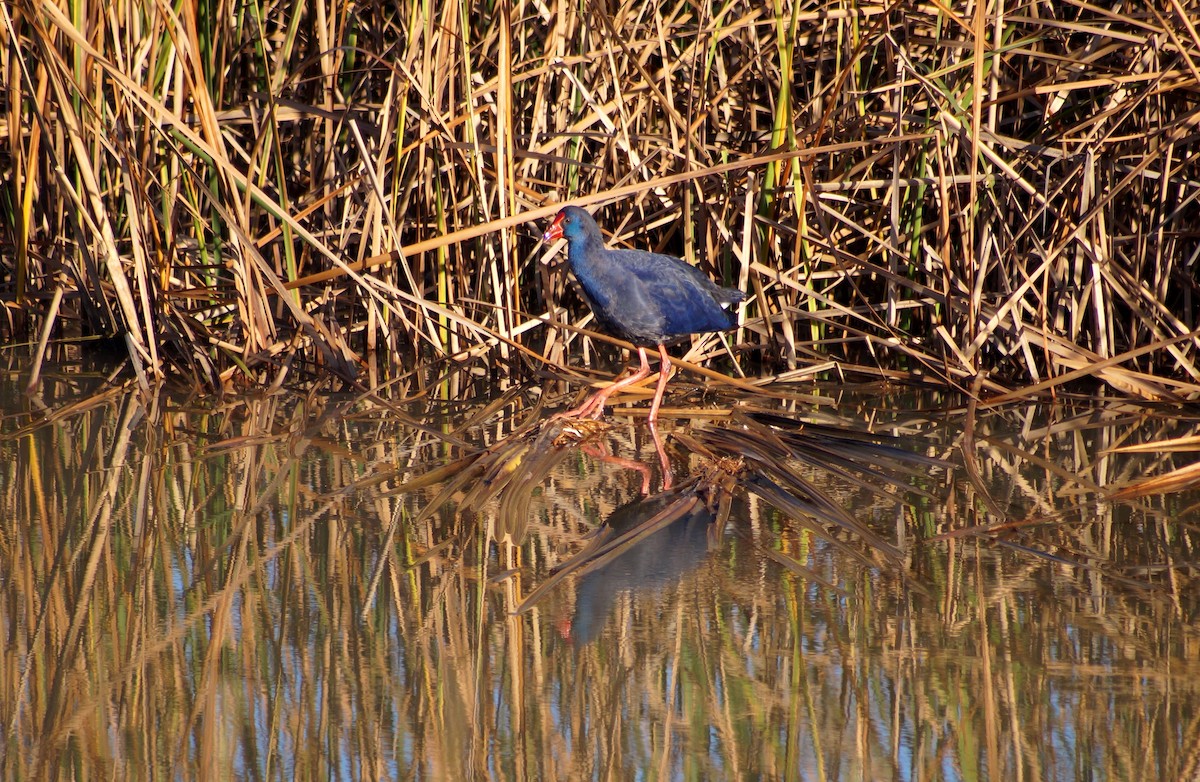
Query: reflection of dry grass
[[1076, 506], [184, 590]]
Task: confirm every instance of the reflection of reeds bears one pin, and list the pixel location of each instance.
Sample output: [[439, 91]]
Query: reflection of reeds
[[180, 591], [276, 193]]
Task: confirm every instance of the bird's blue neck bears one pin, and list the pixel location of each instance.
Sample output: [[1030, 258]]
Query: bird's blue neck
[[584, 255]]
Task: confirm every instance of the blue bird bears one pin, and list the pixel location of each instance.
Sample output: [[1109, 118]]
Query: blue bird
[[645, 298]]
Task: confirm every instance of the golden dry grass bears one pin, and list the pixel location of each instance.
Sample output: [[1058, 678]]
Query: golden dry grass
[[999, 198]]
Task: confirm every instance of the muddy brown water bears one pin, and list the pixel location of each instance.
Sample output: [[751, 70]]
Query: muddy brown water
[[290, 587]]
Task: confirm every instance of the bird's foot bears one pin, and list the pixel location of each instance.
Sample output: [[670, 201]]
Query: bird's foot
[[592, 407], [576, 430]]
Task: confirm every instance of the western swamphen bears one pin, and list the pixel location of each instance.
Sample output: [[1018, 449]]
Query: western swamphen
[[648, 299]]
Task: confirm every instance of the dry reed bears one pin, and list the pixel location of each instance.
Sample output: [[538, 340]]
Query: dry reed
[[994, 197]]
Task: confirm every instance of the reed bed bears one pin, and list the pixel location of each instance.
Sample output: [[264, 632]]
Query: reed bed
[[1001, 198]]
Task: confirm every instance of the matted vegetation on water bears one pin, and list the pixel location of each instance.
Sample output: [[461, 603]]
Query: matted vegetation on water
[[998, 197]]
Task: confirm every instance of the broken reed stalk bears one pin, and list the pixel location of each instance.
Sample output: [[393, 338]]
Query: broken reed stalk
[[1004, 195]]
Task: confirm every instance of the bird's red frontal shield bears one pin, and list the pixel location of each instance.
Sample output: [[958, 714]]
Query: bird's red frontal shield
[[555, 230]]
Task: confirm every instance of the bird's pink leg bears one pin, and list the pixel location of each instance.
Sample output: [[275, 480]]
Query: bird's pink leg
[[594, 406], [664, 374]]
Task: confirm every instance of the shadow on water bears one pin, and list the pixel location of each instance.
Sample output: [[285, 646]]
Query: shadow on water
[[836, 586]]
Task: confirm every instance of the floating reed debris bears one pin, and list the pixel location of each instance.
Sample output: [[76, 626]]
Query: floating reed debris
[[281, 194]]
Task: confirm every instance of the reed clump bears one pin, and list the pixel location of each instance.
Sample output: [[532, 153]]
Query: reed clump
[[998, 198]]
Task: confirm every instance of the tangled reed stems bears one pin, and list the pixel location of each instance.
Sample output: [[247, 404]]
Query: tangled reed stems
[[1002, 198]]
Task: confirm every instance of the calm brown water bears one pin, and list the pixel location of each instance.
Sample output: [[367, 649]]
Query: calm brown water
[[270, 589]]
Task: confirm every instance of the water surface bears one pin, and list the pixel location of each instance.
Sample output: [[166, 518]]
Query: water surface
[[284, 587]]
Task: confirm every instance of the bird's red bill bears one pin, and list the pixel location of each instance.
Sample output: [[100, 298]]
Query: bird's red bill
[[555, 230]]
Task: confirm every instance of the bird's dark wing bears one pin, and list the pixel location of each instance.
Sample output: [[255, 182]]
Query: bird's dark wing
[[682, 298]]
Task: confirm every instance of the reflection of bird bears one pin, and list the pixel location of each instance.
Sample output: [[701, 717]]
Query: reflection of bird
[[648, 299], [655, 561]]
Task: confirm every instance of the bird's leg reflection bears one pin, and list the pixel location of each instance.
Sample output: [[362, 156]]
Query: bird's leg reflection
[[667, 478], [599, 450]]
